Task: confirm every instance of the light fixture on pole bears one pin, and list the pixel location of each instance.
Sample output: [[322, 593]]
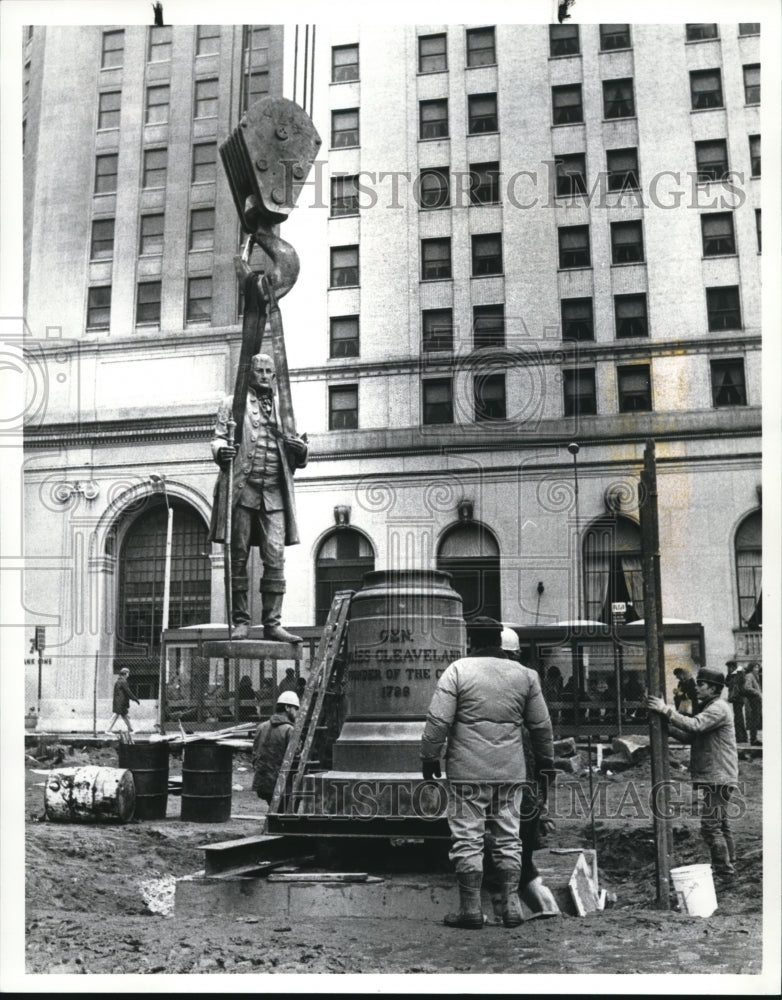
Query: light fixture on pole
[[159, 480], [574, 449]]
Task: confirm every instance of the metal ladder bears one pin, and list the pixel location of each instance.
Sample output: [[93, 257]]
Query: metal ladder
[[291, 776]]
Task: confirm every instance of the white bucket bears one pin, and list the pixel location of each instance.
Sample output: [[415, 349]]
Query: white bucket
[[694, 886]]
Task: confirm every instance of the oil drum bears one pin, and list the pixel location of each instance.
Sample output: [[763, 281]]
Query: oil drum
[[148, 763], [90, 794], [206, 783]]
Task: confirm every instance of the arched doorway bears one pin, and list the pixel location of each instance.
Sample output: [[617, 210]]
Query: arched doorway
[[470, 553], [749, 571], [612, 569], [343, 558], [142, 562]]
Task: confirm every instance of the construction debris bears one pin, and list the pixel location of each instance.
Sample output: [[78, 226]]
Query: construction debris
[[632, 749], [565, 748]]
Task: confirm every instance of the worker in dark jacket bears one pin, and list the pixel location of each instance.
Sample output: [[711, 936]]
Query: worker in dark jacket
[[121, 700], [271, 742], [714, 763], [479, 706]]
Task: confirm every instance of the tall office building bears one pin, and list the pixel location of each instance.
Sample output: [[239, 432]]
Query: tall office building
[[517, 237]]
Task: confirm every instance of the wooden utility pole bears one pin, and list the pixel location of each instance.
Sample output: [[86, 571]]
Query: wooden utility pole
[[655, 671]]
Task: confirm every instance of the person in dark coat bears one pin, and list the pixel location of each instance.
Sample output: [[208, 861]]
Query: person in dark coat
[[735, 685], [271, 742], [121, 700]]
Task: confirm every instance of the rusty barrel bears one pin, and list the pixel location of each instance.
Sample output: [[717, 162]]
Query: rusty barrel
[[206, 783], [406, 626], [148, 763], [90, 794]]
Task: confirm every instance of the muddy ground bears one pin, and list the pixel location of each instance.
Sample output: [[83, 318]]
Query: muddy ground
[[89, 889]]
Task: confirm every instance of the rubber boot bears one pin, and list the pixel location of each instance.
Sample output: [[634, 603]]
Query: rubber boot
[[540, 899], [470, 913], [511, 904], [272, 611]]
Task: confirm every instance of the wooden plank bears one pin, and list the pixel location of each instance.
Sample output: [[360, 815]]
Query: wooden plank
[[584, 894], [260, 867], [324, 877]]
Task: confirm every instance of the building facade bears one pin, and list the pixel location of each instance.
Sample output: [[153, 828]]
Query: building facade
[[516, 238]]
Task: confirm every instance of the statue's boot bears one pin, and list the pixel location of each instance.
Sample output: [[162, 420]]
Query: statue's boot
[[540, 899], [240, 609], [272, 613], [470, 913]]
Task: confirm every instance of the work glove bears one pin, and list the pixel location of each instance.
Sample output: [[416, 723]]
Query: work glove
[[431, 769]]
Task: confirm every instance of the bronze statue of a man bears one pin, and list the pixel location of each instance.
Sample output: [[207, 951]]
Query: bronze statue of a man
[[263, 510]]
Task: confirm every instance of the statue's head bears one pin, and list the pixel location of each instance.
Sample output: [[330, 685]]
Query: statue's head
[[262, 373]]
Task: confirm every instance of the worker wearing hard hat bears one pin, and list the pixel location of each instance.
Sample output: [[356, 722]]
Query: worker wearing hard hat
[[271, 742]]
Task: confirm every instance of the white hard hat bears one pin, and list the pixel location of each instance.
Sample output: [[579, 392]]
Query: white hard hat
[[288, 698], [509, 640]]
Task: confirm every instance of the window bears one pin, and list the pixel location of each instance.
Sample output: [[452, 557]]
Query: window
[[723, 308], [701, 32], [433, 119], [749, 570], [112, 49], [484, 183], [344, 196], [758, 231], [151, 234], [202, 229], [749, 29], [635, 388], [258, 44], [204, 162], [148, 302], [711, 158], [482, 113], [199, 300], [108, 109], [432, 56], [157, 104], [486, 254], [613, 574], [437, 325], [622, 167], [752, 84], [102, 243], [627, 242], [579, 392], [614, 36], [481, 50], [488, 326], [718, 235], [344, 267], [207, 39], [618, 101], [343, 340], [344, 63], [574, 246], [343, 407], [728, 387], [205, 98], [159, 44], [106, 174], [571, 174], [630, 315], [437, 401], [563, 40], [706, 89], [435, 259], [155, 164], [343, 559], [489, 397], [98, 308], [344, 128], [577, 319], [470, 553], [434, 188], [257, 86], [754, 155], [567, 104]]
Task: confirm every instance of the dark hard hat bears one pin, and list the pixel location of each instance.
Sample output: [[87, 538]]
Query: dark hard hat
[[715, 677], [484, 630]]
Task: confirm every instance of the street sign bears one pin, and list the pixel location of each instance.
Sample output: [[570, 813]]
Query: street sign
[[40, 638]]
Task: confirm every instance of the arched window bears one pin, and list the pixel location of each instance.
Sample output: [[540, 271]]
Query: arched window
[[612, 569], [749, 570], [470, 553], [342, 560], [142, 565]]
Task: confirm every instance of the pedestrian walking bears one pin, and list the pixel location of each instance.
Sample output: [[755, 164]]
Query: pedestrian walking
[[121, 701], [714, 763], [478, 707], [753, 700], [735, 683]]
